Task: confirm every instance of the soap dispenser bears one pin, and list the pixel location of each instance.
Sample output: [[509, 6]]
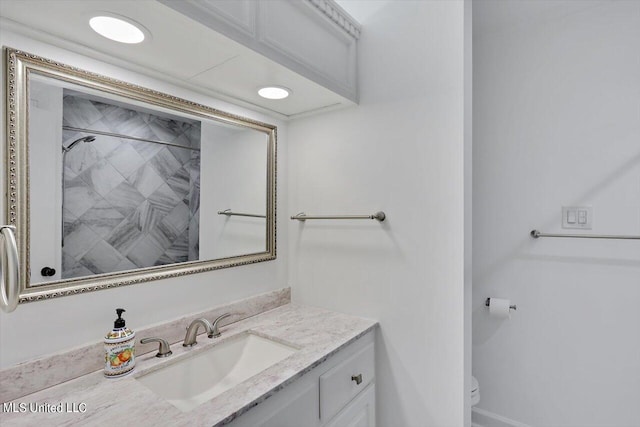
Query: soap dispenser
[[119, 348]]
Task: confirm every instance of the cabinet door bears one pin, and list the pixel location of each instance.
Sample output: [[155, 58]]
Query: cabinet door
[[360, 412], [300, 411], [294, 406]]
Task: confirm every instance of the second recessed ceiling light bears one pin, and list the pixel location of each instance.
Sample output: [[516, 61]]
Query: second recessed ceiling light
[[274, 92]]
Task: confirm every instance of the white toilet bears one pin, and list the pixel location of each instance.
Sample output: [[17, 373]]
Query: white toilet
[[475, 391]]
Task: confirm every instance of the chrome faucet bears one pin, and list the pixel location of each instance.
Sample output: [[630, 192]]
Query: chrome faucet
[[215, 332], [192, 331]]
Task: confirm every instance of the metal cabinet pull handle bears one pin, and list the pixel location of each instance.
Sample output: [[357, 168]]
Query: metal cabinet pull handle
[[9, 270], [357, 378]]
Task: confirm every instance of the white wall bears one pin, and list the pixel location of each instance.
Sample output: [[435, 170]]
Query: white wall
[[43, 327], [468, 204], [557, 122], [236, 167], [400, 150], [45, 126]]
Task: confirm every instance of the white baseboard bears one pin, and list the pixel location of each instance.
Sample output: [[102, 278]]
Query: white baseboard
[[482, 418]]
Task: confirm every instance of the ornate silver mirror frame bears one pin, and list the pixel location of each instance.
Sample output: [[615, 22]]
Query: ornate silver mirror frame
[[18, 66]]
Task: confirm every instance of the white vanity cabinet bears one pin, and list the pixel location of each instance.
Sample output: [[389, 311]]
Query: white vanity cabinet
[[339, 392]]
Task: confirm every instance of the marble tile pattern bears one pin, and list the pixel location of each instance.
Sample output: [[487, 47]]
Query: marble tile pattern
[[48, 371], [318, 333], [128, 203]]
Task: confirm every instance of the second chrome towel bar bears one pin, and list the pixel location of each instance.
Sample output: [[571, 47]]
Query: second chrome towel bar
[[380, 216], [536, 234]]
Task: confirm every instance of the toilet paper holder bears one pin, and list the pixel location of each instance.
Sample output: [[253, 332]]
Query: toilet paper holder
[[487, 302]]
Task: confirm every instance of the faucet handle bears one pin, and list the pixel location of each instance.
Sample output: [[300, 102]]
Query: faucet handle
[[163, 350], [215, 333]]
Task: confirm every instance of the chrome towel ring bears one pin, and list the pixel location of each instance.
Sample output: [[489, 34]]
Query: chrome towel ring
[[9, 270]]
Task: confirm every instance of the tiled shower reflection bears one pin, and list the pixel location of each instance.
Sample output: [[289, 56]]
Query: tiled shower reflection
[[128, 203]]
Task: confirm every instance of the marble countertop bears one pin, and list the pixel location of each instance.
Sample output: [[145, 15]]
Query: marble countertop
[[95, 400]]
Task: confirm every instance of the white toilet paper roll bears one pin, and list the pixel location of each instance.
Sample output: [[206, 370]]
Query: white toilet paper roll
[[499, 308]]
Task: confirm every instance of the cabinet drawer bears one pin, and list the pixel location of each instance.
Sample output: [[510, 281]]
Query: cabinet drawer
[[361, 412], [340, 384]]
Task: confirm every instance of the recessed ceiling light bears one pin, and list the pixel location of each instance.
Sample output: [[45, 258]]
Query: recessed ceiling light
[[117, 29], [274, 92]]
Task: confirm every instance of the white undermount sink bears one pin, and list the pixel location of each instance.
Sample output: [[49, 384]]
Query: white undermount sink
[[194, 380]]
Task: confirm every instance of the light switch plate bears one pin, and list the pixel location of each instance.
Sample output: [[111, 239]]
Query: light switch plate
[[580, 217]]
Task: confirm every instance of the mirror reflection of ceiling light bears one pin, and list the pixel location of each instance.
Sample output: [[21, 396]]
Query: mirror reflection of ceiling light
[[274, 92], [117, 29]]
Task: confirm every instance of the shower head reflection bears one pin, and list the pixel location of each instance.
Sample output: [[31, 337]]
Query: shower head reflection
[[68, 148]]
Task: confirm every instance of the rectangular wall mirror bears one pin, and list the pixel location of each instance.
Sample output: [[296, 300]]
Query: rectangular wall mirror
[[111, 184]]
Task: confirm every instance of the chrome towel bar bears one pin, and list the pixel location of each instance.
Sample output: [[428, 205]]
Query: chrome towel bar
[[9, 270], [380, 216], [229, 212], [537, 234]]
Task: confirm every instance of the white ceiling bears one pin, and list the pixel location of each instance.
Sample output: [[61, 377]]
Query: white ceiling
[[179, 48]]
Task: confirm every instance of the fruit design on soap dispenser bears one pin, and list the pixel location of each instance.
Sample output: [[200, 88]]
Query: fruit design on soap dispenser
[[121, 358]]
